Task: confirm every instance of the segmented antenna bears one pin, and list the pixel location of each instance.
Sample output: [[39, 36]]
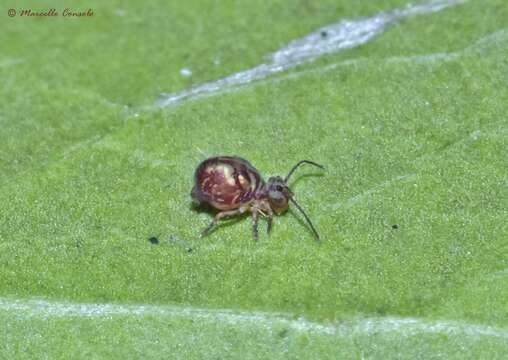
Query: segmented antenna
[[306, 218], [300, 163]]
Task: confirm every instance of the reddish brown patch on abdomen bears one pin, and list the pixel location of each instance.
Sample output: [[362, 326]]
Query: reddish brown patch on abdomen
[[226, 182]]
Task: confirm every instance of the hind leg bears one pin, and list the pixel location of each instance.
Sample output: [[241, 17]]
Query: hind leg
[[219, 216]]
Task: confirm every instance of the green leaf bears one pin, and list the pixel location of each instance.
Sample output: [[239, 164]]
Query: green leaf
[[412, 207]]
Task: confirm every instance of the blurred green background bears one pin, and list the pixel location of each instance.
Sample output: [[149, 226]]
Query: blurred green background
[[412, 209]]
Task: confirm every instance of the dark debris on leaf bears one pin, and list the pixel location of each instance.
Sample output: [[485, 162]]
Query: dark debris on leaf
[[153, 240], [283, 333], [395, 226]]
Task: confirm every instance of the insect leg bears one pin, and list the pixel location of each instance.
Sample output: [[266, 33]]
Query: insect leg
[[220, 216], [255, 223], [269, 220]]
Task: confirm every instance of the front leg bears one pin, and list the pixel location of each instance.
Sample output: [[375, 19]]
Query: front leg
[[269, 220], [219, 216], [255, 223]]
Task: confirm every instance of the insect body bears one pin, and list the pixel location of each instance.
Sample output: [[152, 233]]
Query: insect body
[[232, 185]]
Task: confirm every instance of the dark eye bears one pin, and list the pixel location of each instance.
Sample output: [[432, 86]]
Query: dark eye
[[278, 188]]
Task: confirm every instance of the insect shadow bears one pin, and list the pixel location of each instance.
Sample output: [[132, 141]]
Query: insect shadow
[[201, 207], [304, 176]]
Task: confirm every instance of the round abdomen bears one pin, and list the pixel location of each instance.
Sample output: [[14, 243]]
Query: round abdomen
[[226, 182]]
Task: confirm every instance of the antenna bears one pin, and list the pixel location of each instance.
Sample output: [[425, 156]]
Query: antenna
[[300, 163], [306, 218]]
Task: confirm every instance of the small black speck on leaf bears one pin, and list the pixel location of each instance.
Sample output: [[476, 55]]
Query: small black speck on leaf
[[153, 240], [324, 34], [395, 226], [283, 333], [189, 250]]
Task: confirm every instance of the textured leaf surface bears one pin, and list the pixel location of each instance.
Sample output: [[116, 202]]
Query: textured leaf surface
[[412, 209]]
